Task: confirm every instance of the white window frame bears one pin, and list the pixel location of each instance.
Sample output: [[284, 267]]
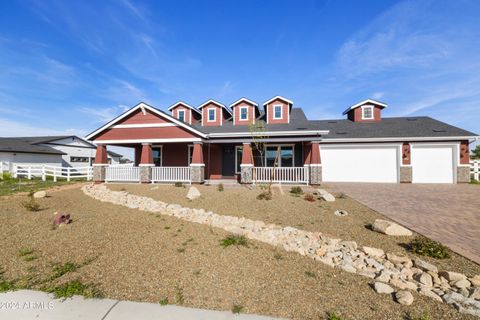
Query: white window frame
[[160, 146], [190, 153], [281, 111], [178, 115], [240, 113], [236, 159], [280, 159], [214, 114], [363, 112]]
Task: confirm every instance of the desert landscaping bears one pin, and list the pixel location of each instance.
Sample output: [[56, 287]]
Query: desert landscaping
[[162, 254]]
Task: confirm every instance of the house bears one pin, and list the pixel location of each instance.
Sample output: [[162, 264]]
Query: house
[[214, 141], [64, 151]]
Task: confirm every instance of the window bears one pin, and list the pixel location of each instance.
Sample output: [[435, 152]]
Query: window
[[238, 158], [283, 155], [157, 156], [190, 154], [181, 115], [79, 159], [367, 112], [277, 112], [243, 113], [211, 114]]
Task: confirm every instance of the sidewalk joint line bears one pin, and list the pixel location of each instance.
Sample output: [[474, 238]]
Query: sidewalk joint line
[[113, 306]]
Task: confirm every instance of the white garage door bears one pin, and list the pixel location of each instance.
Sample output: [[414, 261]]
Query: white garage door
[[432, 163], [359, 163]]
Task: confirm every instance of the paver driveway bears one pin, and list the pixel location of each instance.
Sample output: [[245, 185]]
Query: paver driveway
[[449, 214]]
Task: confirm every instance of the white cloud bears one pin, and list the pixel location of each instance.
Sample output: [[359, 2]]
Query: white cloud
[[9, 128], [104, 114]]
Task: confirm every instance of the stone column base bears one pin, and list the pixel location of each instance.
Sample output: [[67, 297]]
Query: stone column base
[[463, 174], [99, 173], [145, 174], [315, 174], [197, 173], [405, 174], [246, 173]]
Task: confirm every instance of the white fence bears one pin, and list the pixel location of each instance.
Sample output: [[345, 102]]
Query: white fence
[[122, 174], [44, 171], [281, 174], [171, 174], [475, 169]]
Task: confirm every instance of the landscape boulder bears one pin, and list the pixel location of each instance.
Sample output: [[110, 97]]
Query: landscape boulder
[[475, 281], [328, 197], [390, 228], [61, 219], [193, 193], [404, 297], [452, 276], [382, 288], [374, 252], [40, 194], [424, 265]]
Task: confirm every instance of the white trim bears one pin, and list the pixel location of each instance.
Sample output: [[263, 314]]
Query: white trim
[[267, 140], [270, 133], [183, 104], [146, 165], [197, 164], [404, 139], [240, 113], [371, 101], [214, 114], [214, 102], [145, 106], [280, 98], [314, 165], [280, 158], [100, 165], [242, 100], [274, 112], [143, 125], [372, 108], [455, 154], [236, 160], [149, 140], [189, 153], [246, 165]]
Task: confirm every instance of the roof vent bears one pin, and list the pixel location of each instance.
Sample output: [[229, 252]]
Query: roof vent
[[412, 119], [341, 132], [301, 128], [332, 121], [439, 130]]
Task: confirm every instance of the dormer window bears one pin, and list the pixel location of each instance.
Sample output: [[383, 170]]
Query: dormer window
[[181, 115], [277, 112], [211, 114], [243, 113], [367, 112]]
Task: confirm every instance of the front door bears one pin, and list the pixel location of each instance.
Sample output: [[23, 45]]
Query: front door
[[228, 161]]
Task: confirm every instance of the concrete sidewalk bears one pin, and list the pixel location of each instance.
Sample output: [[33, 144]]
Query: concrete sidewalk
[[29, 305]]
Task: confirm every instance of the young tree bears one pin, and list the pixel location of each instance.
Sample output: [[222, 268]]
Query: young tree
[[476, 152], [257, 130]]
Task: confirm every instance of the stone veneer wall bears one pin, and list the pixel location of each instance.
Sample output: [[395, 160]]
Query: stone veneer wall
[[405, 174], [463, 174]]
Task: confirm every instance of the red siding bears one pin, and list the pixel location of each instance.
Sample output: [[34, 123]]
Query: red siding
[[285, 112], [175, 155], [138, 117], [406, 153], [213, 161], [356, 115], [236, 114], [220, 115], [464, 153], [188, 113], [144, 133]]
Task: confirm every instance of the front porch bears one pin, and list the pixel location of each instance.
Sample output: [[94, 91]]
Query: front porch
[[198, 162]]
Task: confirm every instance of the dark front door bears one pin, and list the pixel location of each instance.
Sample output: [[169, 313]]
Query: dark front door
[[228, 161]]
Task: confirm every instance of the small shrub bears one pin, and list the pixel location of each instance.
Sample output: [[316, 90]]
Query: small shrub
[[61, 269], [296, 191], [75, 288], [341, 195], [309, 197], [30, 257], [31, 205], [220, 187], [333, 316], [427, 247], [25, 252], [166, 227], [6, 176], [6, 285], [178, 184], [310, 274], [234, 240], [236, 308], [473, 181], [163, 302], [278, 256], [181, 250], [265, 195]]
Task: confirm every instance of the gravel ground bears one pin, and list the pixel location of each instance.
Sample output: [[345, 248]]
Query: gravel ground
[[145, 257]]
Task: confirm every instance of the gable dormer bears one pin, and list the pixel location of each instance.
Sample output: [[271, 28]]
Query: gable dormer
[[185, 112], [366, 111], [214, 113], [244, 112], [277, 110]]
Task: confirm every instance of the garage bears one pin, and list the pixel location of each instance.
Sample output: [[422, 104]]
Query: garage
[[433, 163], [360, 163]]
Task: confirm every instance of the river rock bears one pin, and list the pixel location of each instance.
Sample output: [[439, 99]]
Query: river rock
[[390, 228], [40, 194], [193, 193], [328, 197], [404, 297], [452, 276], [425, 279], [374, 252], [424, 265], [382, 288], [462, 284], [475, 281]]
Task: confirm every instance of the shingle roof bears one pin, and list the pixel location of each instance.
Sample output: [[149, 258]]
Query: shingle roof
[[25, 145]]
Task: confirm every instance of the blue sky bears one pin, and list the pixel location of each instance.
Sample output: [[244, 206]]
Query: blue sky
[[69, 66]]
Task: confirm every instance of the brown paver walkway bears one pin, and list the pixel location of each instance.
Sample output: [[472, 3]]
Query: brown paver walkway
[[449, 214]]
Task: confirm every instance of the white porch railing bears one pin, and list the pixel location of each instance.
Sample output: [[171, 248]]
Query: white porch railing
[[281, 174], [122, 174], [475, 169], [44, 171], [171, 174]]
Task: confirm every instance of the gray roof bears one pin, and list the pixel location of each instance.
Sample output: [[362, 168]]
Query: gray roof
[[25, 145], [407, 127]]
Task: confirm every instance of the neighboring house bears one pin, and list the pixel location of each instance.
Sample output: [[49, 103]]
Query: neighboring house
[[65, 151], [216, 142]]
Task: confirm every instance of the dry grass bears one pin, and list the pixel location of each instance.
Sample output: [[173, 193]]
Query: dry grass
[[133, 256]]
